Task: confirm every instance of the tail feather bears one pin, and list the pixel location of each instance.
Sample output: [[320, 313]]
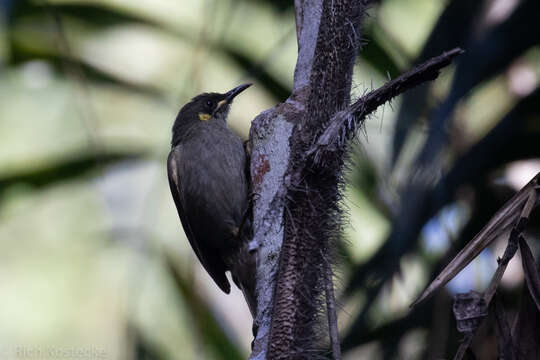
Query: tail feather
[[244, 276]]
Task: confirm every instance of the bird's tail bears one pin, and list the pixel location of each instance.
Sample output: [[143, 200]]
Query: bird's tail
[[243, 271]]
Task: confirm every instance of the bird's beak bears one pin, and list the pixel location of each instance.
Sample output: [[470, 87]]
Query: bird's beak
[[229, 96]]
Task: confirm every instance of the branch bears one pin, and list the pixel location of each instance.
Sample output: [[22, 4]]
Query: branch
[[296, 215], [308, 18], [479, 310], [477, 313], [426, 71], [344, 124], [328, 45], [269, 137], [511, 213], [299, 18]]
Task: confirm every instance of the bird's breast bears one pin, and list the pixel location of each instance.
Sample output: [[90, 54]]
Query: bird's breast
[[213, 171]]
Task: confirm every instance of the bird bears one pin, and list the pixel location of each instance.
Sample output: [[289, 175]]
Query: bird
[[208, 179]]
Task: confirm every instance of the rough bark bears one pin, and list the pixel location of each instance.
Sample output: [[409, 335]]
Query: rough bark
[[298, 153]]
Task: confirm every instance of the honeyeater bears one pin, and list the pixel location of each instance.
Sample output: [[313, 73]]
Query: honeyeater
[[209, 184]]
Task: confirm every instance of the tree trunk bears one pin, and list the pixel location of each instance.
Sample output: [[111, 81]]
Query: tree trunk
[[297, 157]]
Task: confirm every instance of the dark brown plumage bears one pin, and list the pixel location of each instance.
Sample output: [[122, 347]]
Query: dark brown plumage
[[206, 170]]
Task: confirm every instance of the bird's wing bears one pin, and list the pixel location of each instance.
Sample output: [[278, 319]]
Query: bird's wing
[[210, 261]]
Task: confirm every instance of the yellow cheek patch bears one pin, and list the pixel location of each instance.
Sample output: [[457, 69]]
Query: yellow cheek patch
[[221, 103], [204, 117]]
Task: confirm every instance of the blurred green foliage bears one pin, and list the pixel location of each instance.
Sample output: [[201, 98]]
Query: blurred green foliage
[[93, 255]]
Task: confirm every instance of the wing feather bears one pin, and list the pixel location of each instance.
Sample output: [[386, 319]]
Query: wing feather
[[213, 265]]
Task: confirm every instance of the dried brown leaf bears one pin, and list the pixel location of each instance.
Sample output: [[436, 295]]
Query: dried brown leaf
[[532, 278], [526, 331], [469, 309], [505, 344], [502, 221]]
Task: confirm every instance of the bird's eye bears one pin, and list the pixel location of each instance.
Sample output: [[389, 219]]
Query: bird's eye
[[209, 104]]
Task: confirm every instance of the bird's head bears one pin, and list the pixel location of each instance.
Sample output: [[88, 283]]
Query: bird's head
[[207, 107]]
